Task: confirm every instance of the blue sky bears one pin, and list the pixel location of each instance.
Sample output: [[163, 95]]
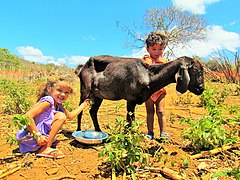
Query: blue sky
[[70, 31]]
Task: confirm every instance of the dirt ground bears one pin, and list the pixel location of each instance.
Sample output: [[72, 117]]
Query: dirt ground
[[82, 161]]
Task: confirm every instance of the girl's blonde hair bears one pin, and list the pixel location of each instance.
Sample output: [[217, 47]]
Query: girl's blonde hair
[[43, 90]]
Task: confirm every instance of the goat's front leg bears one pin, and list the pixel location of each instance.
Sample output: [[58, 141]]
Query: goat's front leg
[[130, 112], [93, 112]]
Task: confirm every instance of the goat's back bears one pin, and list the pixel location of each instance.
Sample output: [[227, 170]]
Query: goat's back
[[111, 77]]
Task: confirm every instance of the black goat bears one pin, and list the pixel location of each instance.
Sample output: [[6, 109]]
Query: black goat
[[115, 78]]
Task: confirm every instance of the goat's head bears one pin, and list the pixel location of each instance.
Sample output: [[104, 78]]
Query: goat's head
[[190, 76]]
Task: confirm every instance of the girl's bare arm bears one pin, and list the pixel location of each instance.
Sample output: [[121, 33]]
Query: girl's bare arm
[[33, 112], [74, 113]]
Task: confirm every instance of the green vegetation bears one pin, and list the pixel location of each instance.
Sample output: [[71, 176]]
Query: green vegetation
[[18, 121], [16, 96], [210, 132], [122, 149], [9, 61], [234, 173], [212, 97]]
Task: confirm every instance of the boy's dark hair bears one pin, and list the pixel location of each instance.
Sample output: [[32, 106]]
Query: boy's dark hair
[[156, 38]]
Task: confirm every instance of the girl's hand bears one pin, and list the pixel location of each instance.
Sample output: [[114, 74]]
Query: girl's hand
[[42, 140], [87, 102]]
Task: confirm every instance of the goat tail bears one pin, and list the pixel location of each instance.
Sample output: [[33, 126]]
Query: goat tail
[[78, 69]]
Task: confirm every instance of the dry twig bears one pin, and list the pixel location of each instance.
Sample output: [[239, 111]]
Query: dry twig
[[10, 171], [211, 152]]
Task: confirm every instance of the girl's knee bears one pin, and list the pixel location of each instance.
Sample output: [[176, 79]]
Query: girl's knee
[[60, 117]]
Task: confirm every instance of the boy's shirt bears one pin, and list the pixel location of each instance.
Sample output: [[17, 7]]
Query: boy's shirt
[[149, 61]]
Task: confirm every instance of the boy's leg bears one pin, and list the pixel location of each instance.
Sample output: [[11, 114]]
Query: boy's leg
[[160, 111], [149, 104]]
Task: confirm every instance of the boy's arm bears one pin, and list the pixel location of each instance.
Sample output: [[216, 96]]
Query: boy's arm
[[147, 60], [161, 60]]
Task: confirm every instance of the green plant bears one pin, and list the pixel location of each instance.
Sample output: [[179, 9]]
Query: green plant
[[233, 109], [237, 91], [184, 99], [173, 163], [235, 173], [118, 106], [18, 121], [207, 98], [68, 105], [123, 149], [212, 97], [8, 60], [185, 162], [209, 131], [158, 154], [16, 96]]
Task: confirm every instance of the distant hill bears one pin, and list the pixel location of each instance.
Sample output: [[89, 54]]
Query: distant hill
[[14, 67], [9, 61]]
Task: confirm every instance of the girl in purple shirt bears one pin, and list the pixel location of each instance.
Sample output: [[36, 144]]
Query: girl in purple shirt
[[46, 119]]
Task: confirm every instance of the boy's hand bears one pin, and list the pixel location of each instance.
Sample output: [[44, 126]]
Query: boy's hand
[[147, 61], [146, 65]]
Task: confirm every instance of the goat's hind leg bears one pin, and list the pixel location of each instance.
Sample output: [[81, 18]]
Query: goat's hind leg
[[79, 121], [80, 115], [83, 97], [93, 112], [130, 112]]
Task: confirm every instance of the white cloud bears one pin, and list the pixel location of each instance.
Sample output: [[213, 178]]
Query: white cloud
[[72, 61], [233, 23], [217, 39], [29, 51], [138, 53], [88, 38], [194, 6], [35, 55]]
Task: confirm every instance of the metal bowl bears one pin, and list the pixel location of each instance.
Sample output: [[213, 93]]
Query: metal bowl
[[90, 136]]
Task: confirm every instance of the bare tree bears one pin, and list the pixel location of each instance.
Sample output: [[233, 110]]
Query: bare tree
[[180, 27], [228, 67]]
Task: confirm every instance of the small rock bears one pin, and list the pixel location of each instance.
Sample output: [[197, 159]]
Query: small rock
[[202, 165], [52, 171], [85, 170]]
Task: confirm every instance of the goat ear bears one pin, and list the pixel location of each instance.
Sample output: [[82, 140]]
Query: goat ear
[[182, 79]]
